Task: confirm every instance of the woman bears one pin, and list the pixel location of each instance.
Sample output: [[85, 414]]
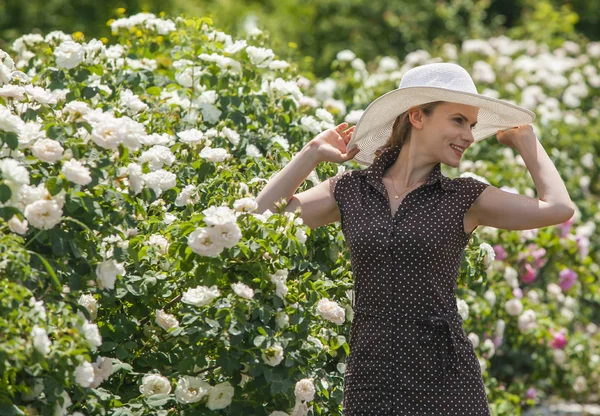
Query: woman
[[407, 225]]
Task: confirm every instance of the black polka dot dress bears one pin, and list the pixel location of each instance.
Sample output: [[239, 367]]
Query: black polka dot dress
[[409, 354]]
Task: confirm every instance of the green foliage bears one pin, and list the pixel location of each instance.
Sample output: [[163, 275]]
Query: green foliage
[[546, 24]]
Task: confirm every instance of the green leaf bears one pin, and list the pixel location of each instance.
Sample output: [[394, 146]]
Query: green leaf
[[5, 193], [258, 340], [155, 91], [54, 185], [158, 400], [11, 140], [50, 270], [89, 92], [81, 75]]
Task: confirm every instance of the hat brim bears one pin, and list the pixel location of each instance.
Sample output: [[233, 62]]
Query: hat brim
[[375, 125]]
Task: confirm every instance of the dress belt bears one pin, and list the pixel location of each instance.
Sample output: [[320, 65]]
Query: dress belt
[[437, 323]]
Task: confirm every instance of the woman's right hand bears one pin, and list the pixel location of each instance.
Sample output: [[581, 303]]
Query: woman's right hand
[[332, 144]]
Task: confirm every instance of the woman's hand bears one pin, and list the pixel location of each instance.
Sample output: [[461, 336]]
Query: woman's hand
[[514, 136], [332, 144]]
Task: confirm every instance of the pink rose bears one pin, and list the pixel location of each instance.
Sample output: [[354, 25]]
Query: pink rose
[[567, 279], [500, 252], [559, 339], [529, 275]]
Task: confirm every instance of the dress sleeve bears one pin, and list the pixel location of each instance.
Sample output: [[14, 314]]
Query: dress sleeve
[[470, 190], [336, 186]]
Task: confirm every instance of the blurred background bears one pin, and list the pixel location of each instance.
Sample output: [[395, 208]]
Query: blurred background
[[314, 31]]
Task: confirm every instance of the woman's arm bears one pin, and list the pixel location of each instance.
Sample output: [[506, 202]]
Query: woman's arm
[[508, 211], [285, 183]]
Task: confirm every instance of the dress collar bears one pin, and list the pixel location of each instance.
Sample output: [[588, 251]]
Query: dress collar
[[389, 155]]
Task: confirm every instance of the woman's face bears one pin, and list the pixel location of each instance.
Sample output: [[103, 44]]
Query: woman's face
[[447, 129]]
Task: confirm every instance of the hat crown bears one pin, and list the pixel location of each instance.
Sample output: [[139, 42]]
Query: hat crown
[[439, 75]]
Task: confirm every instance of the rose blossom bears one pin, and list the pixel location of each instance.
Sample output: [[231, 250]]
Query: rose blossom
[[331, 311], [219, 397], [155, 384], [166, 321], [305, 390], [191, 389]]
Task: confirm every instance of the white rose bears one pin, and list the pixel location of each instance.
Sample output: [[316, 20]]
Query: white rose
[[200, 295], [474, 339], [90, 303], [75, 172], [107, 273], [533, 296], [273, 355], [84, 374], [214, 155], [511, 277], [186, 196], [513, 307], [279, 278], [345, 55], [560, 357], [47, 150], [203, 241], [157, 156], [580, 384], [38, 308], [219, 215], [160, 180], [102, 370], [10, 122], [92, 335], [227, 235], [282, 320], [191, 389], [43, 214], [555, 291], [243, 290], [261, 57], [69, 54], [165, 320], [490, 297], [278, 413], [245, 205], [499, 328], [331, 311], [527, 321], [41, 342], [155, 384], [17, 226], [489, 348], [159, 242], [136, 177], [463, 309], [220, 396], [489, 256], [305, 390]]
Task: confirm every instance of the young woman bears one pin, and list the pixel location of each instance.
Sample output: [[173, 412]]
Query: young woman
[[406, 225]]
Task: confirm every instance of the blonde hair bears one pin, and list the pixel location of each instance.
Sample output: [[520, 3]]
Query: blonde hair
[[402, 127]]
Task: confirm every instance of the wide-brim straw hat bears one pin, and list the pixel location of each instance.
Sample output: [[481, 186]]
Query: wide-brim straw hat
[[425, 84]]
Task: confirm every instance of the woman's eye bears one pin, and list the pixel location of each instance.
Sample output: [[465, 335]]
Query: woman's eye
[[459, 120]]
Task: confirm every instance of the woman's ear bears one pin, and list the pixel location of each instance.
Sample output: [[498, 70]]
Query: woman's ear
[[416, 116]]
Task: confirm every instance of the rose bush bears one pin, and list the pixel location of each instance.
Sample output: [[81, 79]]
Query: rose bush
[[137, 277]]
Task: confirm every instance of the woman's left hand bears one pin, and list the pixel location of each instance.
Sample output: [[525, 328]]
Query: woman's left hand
[[513, 136]]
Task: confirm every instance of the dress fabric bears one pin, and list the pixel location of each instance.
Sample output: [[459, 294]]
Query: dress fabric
[[409, 354]]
